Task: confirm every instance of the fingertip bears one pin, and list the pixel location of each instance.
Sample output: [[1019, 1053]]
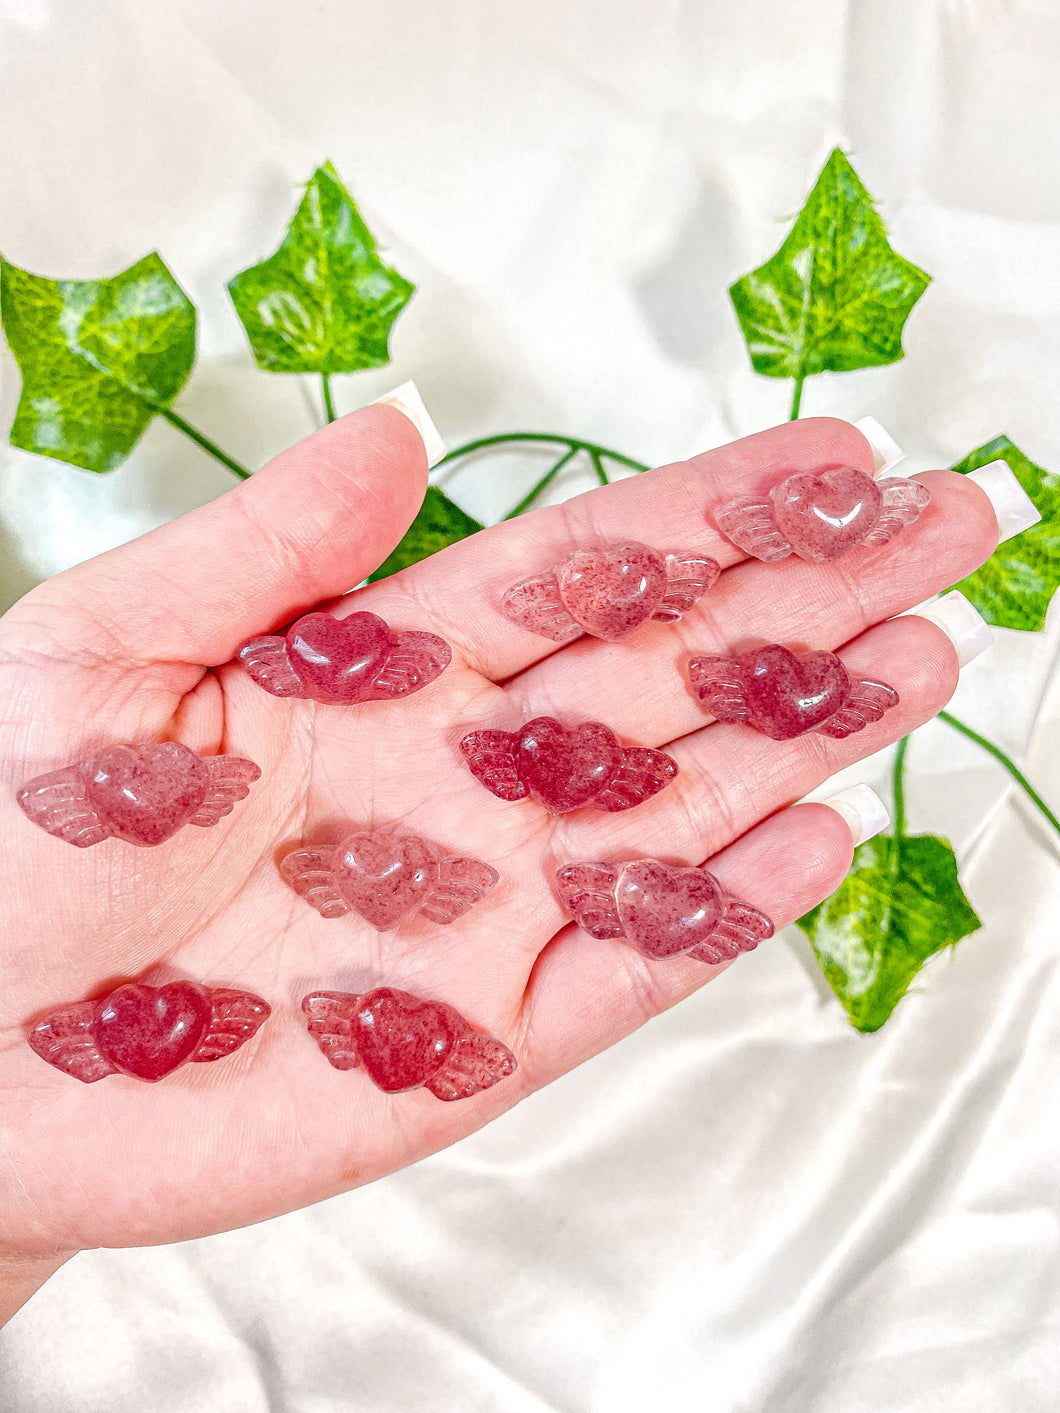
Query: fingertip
[[965, 515], [837, 442]]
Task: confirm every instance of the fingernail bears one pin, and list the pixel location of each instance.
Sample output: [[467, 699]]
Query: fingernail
[[1013, 507], [863, 810], [407, 399], [966, 628], [886, 453]]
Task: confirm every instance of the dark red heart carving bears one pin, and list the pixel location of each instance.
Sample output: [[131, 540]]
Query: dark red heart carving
[[339, 658], [145, 793], [665, 910], [384, 876], [790, 693], [566, 768], [401, 1040], [822, 517], [147, 1031], [612, 589]]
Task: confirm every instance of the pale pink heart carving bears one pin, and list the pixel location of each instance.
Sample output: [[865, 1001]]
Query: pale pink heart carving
[[339, 658], [384, 876], [567, 767], [824, 516], [665, 910], [612, 589], [145, 793]]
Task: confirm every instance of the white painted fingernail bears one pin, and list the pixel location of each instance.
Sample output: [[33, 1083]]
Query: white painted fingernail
[[1013, 507], [886, 453], [966, 628], [863, 810], [407, 399]]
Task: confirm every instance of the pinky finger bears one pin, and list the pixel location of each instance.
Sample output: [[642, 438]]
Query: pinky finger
[[584, 994]]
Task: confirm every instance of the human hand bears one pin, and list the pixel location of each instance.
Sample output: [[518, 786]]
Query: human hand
[[136, 645]]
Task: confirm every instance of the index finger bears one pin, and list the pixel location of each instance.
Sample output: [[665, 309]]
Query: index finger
[[460, 589]]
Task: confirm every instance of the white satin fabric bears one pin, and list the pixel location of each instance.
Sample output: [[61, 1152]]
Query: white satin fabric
[[745, 1208]]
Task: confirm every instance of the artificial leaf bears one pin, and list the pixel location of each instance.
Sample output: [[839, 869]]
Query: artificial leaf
[[324, 302], [835, 296], [1015, 585], [900, 904], [99, 358], [439, 523]]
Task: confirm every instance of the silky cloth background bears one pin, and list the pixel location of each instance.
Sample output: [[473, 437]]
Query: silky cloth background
[[746, 1206]]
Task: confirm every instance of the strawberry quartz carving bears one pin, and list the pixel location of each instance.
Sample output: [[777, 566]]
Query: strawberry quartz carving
[[142, 794], [822, 517], [661, 910], [608, 591], [386, 875], [342, 660], [784, 694], [147, 1031], [404, 1042], [564, 768]]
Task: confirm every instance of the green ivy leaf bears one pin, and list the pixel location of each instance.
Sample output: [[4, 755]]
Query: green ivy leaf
[[1014, 587], [835, 296], [439, 523], [900, 904], [325, 302], [99, 358]]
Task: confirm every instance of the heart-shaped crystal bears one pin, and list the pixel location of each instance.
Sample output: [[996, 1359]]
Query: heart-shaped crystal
[[824, 516], [147, 1031], [612, 589], [666, 910], [566, 767], [790, 693], [145, 793], [385, 875], [339, 658], [401, 1040]]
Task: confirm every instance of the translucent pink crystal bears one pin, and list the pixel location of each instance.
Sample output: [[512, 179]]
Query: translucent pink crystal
[[142, 794], [337, 660], [662, 910], [405, 1042], [608, 591], [147, 1031], [784, 694], [386, 875], [564, 768], [822, 517]]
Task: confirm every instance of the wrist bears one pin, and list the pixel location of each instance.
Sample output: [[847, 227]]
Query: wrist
[[22, 1275]]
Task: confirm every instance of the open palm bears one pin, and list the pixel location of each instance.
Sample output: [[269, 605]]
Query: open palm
[[132, 646]]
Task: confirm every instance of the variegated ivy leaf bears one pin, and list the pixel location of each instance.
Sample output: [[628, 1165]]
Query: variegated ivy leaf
[[835, 296], [99, 358], [900, 903], [324, 302], [1014, 587]]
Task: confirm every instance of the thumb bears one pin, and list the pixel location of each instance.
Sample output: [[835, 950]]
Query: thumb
[[308, 526]]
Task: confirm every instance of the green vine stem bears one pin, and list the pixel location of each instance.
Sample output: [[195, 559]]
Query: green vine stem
[[574, 443], [898, 788], [329, 406], [1004, 761], [796, 397], [597, 456], [175, 420], [550, 475]]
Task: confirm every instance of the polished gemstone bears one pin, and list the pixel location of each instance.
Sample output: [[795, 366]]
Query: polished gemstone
[[140, 793], [566, 767], [405, 1042], [386, 875]]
